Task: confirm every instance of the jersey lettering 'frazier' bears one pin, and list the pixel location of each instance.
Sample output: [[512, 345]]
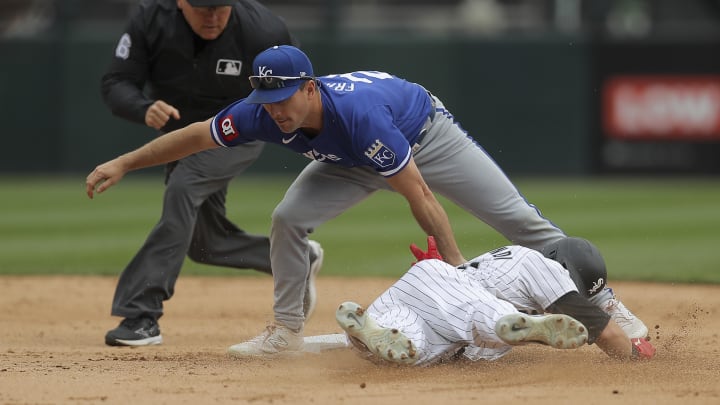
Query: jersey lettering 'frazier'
[[361, 130]]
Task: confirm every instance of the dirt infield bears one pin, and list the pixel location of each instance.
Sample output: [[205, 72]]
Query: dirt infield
[[52, 351]]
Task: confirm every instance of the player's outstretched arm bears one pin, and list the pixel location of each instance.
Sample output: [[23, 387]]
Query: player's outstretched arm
[[427, 211], [615, 343], [167, 148]]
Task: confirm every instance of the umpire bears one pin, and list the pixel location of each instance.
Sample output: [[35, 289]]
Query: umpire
[[178, 62]]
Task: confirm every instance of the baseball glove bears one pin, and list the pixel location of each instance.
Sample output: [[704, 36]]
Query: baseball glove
[[432, 251]]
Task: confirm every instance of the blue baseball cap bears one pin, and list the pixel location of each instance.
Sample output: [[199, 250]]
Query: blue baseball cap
[[277, 74]]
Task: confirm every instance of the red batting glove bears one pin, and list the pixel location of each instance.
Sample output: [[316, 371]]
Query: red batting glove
[[432, 252], [642, 349]]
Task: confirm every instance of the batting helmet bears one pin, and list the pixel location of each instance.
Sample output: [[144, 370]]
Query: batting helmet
[[582, 260]]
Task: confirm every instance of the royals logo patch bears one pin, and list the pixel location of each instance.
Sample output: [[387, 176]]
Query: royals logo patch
[[380, 154]]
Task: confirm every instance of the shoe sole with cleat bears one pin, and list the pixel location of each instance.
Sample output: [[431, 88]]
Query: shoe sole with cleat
[[558, 331], [388, 343]]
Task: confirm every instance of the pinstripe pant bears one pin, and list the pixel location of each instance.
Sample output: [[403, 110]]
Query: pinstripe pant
[[442, 308]]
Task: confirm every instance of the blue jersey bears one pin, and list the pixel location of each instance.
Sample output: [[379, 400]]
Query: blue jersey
[[369, 119]]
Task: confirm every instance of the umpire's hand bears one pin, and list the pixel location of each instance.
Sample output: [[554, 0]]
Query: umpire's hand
[[159, 113]]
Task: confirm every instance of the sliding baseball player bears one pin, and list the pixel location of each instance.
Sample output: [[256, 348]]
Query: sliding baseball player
[[437, 312]]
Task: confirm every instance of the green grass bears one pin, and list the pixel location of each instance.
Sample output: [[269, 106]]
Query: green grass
[[656, 229]]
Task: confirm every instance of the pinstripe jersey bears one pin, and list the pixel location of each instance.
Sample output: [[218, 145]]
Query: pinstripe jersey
[[443, 309], [522, 276]]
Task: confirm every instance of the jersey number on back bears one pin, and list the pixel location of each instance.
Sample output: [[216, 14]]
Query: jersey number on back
[[353, 77], [501, 253]]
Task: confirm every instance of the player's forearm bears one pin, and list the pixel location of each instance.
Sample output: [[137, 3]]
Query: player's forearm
[[427, 211], [614, 342], [434, 221], [172, 146]]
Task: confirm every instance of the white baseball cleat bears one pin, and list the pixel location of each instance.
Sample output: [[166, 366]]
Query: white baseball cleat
[[556, 330], [316, 261], [276, 339], [387, 343]]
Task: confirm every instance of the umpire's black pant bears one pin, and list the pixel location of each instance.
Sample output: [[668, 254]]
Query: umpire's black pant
[[193, 222]]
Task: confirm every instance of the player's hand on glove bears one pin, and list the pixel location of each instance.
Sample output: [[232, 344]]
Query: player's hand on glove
[[642, 349], [432, 251]]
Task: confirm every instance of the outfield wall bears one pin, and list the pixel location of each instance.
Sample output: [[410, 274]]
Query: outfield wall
[[533, 103]]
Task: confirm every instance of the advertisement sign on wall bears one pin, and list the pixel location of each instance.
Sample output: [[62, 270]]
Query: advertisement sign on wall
[[670, 108], [658, 107]]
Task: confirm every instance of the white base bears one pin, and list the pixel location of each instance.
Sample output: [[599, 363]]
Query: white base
[[321, 343]]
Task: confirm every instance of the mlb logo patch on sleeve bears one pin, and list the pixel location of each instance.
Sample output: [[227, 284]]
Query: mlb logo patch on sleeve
[[228, 67]]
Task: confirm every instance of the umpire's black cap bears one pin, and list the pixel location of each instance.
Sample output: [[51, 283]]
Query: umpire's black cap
[[211, 3]]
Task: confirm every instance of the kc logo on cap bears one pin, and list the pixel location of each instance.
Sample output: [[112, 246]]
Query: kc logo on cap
[[282, 60], [277, 73], [264, 71]]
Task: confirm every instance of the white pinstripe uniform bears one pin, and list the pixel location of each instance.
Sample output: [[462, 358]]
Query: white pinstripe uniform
[[442, 308]]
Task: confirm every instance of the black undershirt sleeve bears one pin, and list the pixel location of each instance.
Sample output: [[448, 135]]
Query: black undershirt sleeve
[[578, 307]]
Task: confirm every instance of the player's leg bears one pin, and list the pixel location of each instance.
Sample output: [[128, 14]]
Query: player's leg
[[216, 240], [392, 331], [149, 278], [456, 167], [458, 310], [372, 340], [321, 192], [556, 330]]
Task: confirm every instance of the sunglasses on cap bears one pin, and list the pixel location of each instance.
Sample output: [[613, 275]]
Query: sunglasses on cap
[[274, 82]]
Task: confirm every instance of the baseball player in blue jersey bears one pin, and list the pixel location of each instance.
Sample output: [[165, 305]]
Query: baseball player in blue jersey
[[364, 131], [436, 312]]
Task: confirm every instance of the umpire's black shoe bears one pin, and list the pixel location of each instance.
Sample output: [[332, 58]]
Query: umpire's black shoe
[[135, 332]]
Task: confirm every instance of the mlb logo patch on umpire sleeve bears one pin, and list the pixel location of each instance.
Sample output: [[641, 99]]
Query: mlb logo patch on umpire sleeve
[[380, 154]]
